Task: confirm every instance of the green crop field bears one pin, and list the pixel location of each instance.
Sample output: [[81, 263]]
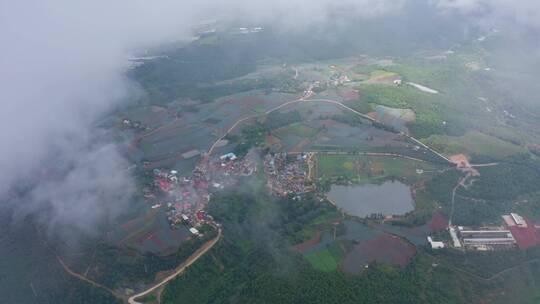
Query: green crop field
[[322, 260], [474, 143], [372, 168], [298, 129]]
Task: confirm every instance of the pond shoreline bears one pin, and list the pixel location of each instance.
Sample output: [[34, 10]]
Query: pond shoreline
[[388, 198]]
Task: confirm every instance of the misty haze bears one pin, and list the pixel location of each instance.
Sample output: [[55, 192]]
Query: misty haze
[[354, 151]]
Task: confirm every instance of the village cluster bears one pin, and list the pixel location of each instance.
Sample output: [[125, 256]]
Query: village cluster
[[288, 174], [186, 197]]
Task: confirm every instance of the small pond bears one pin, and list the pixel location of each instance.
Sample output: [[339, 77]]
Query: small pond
[[389, 198]]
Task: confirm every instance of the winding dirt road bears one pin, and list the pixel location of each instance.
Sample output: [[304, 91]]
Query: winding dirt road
[[83, 278], [461, 183]]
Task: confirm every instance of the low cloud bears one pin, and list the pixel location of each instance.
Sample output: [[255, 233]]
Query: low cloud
[[291, 15], [94, 188], [63, 66], [520, 12]]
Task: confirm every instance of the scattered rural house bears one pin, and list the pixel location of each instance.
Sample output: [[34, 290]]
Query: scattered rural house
[[228, 156], [194, 231]]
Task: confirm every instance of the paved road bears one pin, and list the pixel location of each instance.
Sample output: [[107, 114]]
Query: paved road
[[192, 259], [307, 94], [484, 165]]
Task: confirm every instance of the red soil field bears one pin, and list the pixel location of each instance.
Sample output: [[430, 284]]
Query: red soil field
[[272, 140], [438, 222], [349, 95], [384, 249], [305, 246], [300, 146], [525, 237], [388, 249]]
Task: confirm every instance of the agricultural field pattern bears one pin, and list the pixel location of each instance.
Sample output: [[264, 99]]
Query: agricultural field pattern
[[273, 167]]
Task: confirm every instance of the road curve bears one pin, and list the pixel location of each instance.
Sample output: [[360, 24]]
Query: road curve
[[307, 94], [192, 259], [375, 120]]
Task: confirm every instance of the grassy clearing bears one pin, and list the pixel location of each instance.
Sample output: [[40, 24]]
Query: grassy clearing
[[451, 72], [297, 129], [208, 40], [428, 109], [365, 69], [392, 96], [381, 76], [259, 109], [382, 73], [321, 223], [458, 86], [474, 143], [336, 251], [146, 147], [361, 169], [322, 260]]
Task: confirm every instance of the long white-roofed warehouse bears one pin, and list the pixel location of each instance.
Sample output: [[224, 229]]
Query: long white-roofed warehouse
[[486, 238]]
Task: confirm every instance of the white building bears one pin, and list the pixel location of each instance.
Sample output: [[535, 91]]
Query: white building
[[519, 220], [229, 156], [435, 245]]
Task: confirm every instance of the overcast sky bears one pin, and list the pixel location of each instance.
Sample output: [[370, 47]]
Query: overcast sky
[[522, 12], [62, 66]]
